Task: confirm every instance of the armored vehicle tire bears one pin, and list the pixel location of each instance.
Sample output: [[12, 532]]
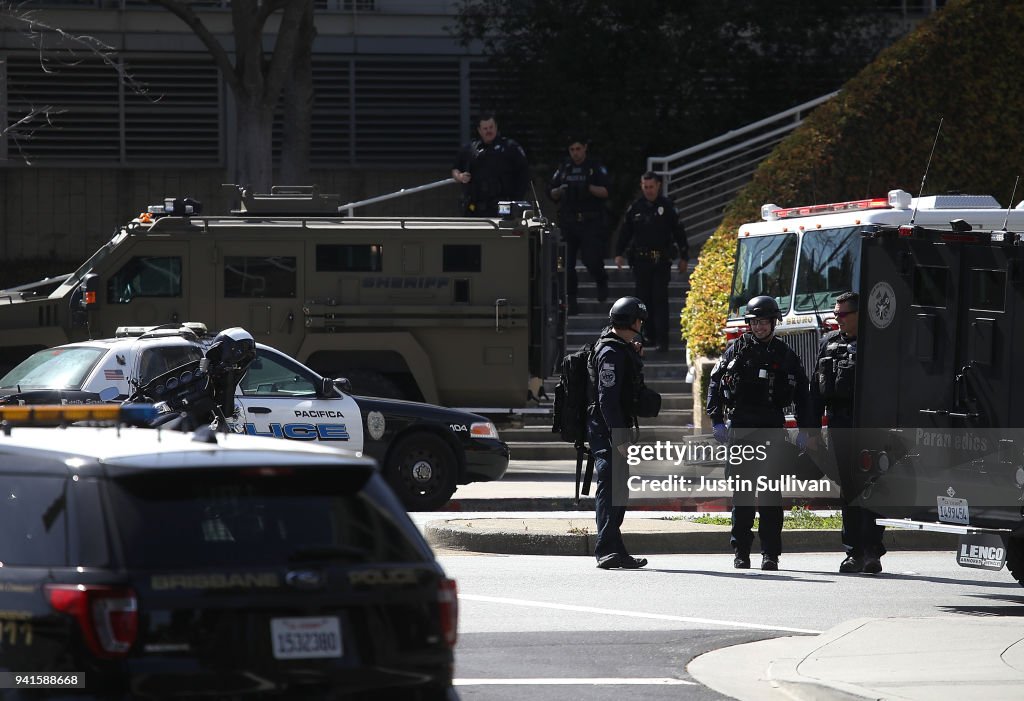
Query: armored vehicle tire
[[1015, 558], [370, 383], [423, 471]]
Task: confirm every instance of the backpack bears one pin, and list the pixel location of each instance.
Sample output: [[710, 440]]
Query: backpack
[[569, 413]]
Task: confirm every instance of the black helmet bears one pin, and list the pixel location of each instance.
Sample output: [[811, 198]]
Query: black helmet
[[626, 311], [763, 307]]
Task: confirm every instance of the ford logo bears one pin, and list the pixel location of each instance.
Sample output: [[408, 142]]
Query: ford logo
[[305, 579]]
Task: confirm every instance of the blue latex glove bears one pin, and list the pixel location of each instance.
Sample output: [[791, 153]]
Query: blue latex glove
[[721, 433], [801, 441]]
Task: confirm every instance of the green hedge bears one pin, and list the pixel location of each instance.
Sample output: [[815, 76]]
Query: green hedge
[[961, 66]]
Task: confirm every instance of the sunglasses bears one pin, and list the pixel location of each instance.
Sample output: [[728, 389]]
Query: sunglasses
[[843, 315]]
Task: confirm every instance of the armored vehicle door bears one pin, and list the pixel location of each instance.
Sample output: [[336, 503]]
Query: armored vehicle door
[[257, 288], [145, 285]]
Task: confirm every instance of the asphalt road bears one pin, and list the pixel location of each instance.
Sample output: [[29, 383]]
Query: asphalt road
[[557, 628]]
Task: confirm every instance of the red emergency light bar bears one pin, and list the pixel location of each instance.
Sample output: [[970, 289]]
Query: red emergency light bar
[[832, 208]]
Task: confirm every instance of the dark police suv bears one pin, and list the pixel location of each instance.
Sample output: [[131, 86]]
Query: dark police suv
[[139, 563]]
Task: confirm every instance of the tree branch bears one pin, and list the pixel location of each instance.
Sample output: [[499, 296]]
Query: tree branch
[[220, 55]]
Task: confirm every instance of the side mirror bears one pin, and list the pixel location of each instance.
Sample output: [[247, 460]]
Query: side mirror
[[344, 384]]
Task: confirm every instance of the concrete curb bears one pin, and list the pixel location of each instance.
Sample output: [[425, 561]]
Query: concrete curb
[[716, 504], [577, 537]]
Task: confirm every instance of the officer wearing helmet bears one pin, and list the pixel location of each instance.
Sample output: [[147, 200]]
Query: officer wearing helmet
[[616, 376], [751, 386]]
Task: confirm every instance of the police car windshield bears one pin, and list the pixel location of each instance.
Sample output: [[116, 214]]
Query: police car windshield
[[764, 266], [829, 265], [54, 368]]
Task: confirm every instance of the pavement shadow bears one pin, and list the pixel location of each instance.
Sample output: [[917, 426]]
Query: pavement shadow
[[1015, 609], [778, 576], [921, 578]]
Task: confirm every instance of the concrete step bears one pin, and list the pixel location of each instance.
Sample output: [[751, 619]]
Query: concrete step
[[543, 434]]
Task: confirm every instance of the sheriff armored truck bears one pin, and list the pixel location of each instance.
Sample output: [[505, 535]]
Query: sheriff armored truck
[[452, 311]]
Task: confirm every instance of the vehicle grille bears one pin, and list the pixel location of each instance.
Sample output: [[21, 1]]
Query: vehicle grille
[[805, 345]]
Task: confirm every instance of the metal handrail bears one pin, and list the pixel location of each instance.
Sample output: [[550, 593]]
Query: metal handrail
[[703, 179], [349, 209]]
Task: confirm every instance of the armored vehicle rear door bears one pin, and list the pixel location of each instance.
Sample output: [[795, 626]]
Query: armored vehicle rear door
[[145, 285]]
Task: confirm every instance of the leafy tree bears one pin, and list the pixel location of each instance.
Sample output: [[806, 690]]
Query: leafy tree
[[648, 77]]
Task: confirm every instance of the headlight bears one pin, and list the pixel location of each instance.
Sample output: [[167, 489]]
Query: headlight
[[483, 429]]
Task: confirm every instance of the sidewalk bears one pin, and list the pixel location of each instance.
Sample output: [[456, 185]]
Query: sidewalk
[[903, 659]]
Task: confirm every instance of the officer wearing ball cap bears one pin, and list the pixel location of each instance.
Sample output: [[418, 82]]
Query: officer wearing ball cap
[[616, 375], [752, 384]]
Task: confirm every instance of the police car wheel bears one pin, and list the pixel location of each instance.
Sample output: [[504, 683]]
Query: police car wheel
[[423, 472], [1015, 558]]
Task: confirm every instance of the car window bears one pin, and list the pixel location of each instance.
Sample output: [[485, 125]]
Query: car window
[[54, 368], [33, 520], [154, 362], [247, 518], [277, 376]]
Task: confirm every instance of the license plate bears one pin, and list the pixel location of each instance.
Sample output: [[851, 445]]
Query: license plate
[[305, 638], [953, 510]]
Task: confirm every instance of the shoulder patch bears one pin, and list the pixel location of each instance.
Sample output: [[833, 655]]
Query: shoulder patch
[[607, 376]]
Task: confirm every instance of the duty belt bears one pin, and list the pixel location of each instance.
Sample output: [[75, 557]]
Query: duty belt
[[651, 253]]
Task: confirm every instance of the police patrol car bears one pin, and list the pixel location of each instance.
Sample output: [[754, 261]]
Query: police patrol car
[[425, 451], [144, 563]]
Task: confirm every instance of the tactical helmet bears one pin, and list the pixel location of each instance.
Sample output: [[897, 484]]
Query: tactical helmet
[[626, 311], [763, 307]]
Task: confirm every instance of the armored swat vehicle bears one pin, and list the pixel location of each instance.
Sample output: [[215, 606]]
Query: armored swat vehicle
[[940, 392], [460, 312]]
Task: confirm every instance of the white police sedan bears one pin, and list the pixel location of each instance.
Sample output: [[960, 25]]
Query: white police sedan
[[424, 450]]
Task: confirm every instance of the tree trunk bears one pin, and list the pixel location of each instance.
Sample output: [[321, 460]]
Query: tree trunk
[[255, 147], [298, 106]]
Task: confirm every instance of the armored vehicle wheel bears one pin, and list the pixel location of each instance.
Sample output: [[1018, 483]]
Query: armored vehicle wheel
[[423, 471], [1015, 558]]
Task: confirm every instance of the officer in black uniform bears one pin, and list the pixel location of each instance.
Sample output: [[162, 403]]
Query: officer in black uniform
[[754, 381], [491, 169], [651, 237], [616, 376], [831, 394], [580, 186]]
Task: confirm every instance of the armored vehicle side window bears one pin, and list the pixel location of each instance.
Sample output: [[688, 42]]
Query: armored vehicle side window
[[931, 286], [461, 258], [259, 276], [988, 290], [145, 276], [56, 368], [33, 519], [271, 377], [213, 518], [350, 258]]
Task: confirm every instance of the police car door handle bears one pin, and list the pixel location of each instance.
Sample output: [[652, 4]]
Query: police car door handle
[[257, 410]]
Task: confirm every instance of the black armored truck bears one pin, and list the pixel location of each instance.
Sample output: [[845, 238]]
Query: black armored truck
[[940, 390], [452, 311]]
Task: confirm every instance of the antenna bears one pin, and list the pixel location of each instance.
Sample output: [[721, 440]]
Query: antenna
[[1010, 205], [926, 169]]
